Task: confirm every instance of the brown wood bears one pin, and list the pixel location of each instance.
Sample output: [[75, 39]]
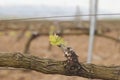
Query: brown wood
[[49, 66]]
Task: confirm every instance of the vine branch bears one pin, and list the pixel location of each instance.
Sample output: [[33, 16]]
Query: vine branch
[[49, 66]]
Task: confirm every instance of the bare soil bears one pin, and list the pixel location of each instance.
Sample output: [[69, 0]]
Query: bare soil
[[106, 52]]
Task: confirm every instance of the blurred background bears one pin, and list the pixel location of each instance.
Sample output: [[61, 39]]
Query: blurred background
[[25, 26]]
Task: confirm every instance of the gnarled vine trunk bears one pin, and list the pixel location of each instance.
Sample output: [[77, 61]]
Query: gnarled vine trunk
[[49, 66]]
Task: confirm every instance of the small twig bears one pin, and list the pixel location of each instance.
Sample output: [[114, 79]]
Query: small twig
[[72, 63], [32, 37], [69, 54]]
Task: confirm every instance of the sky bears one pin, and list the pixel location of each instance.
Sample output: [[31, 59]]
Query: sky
[[43, 2], [111, 6]]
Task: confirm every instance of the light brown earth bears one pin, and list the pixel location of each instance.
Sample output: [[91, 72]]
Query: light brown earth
[[106, 52]]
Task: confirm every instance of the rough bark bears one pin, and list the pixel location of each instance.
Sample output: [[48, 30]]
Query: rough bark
[[49, 66]]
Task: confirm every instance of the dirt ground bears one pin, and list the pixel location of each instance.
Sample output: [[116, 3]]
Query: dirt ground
[[106, 52]]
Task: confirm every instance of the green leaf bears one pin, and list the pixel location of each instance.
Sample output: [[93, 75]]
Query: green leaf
[[56, 40]]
